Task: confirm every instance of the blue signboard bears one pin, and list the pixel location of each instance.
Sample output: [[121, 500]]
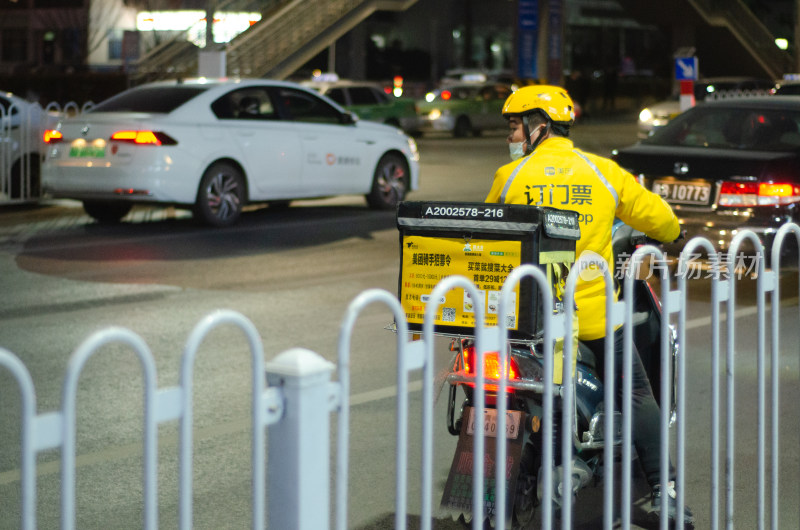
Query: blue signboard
[[686, 68], [528, 28], [555, 38]]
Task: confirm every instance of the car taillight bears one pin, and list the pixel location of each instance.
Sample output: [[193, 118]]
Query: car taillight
[[52, 136], [758, 193], [143, 138], [491, 364]]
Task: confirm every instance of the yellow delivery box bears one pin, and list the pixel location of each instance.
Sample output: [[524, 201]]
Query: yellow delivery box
[[485, 243]]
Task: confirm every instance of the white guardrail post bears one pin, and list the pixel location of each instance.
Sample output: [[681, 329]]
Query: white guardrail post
[[775, 264], [299, 444]]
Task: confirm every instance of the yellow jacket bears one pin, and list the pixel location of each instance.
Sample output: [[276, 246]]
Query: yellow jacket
[[559, 175]]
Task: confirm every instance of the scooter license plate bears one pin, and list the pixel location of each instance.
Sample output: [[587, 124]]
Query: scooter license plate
[[490, 423]]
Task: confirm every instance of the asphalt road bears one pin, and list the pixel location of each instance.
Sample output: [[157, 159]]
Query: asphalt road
[[292, 273]]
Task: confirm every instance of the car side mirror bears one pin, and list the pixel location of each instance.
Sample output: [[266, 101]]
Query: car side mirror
[[348, 118]]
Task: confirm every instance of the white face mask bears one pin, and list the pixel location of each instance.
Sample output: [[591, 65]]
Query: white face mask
[[516, 150]]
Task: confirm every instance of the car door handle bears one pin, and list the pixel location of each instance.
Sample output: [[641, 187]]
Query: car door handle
[[247, 133], [311, 138]]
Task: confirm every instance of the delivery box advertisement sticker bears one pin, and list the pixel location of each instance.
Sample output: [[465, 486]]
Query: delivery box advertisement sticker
[[485, 262], [558, 266]]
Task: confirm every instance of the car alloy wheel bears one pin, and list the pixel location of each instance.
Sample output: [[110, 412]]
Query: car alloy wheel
[[390, 182], [221, 195]]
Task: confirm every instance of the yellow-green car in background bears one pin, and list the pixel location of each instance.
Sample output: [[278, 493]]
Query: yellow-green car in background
[[464, 109], [370, 102]]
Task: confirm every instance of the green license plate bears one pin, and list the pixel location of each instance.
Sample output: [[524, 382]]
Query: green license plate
[[87, 151]]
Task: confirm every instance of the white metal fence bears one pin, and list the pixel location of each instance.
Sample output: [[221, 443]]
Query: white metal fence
[[22, 126], [299, 394]]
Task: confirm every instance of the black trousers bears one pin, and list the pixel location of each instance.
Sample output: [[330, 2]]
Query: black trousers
[[646, 426]]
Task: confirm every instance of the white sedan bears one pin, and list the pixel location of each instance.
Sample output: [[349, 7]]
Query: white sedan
[[216, 145]]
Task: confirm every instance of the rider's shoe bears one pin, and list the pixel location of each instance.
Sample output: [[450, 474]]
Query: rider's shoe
[[672, 505]]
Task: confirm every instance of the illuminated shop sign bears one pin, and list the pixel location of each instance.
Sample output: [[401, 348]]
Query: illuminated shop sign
[[226, 24]]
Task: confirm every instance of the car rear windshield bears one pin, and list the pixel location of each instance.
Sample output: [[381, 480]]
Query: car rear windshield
[[736, 128], [161, 99]]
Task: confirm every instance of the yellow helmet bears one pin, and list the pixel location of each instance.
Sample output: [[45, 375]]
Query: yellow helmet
[[553, 101]]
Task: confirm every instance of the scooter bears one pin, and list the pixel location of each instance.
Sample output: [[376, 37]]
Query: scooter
[[525, 407]]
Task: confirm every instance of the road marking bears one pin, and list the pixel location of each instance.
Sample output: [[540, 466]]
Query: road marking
[[171, 440], [382, 393], [739, 313]]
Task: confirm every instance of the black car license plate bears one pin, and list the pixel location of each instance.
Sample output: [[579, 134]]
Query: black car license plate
[[679, 192]]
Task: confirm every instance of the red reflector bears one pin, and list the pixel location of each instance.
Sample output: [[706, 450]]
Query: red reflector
[[446, 94], [52, 136], [130, 191]]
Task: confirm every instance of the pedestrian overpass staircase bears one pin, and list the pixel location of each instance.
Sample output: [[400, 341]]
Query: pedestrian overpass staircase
[[729, 39], [290, 33]]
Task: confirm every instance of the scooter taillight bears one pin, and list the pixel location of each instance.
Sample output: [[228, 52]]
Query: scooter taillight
[[491, 364]]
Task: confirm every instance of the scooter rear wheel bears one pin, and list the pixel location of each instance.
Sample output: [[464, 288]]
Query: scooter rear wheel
[[526, 499]]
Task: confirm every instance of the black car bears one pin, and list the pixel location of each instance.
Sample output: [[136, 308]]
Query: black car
[[725, 166]]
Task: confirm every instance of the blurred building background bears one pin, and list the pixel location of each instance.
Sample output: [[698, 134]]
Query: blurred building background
[[89, 49]]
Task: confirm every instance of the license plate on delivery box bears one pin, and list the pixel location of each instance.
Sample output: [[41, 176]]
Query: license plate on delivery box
[[490, 423]]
